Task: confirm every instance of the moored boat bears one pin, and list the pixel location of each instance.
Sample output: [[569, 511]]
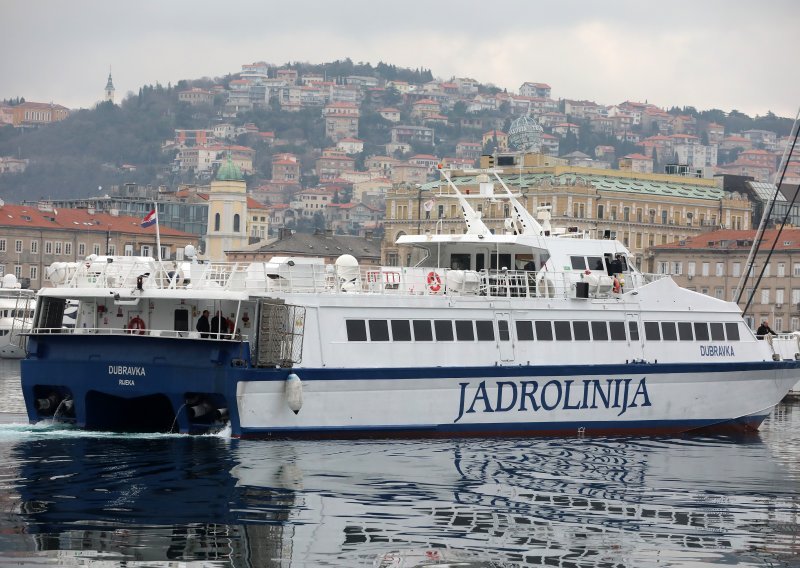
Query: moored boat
[[536, 331], [16, 317]]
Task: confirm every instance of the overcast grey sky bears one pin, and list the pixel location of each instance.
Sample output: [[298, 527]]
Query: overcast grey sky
[[726, 54]]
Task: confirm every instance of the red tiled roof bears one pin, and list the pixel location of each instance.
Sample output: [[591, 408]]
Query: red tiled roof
[[29, 216], [728, 239]]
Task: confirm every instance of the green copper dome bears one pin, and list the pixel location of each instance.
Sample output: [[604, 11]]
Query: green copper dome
[[229, 172]]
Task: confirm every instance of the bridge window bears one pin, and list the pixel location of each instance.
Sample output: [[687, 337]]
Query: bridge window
[[581, 330], [685, 331], [668, 331], [717, 331], [599, 331], [563, 331], [732, 330], [701, 331], [651, 331]]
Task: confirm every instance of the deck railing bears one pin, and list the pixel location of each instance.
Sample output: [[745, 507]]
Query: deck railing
[[261, 277], [237, 337]]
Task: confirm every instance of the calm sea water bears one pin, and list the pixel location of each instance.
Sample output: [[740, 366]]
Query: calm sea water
[[71, 498]]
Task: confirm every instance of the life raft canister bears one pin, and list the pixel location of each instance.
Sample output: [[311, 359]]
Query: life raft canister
[[136, 325], [434, 282]]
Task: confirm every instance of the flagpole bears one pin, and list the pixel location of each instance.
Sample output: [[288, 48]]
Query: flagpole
[[158, 234]]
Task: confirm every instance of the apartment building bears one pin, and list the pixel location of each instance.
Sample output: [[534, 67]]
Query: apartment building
[[713, 264]]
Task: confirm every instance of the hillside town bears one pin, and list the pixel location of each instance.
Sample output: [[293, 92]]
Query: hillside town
[[360, 165]]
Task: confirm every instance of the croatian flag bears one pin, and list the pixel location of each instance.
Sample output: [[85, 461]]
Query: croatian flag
[[149, 219]]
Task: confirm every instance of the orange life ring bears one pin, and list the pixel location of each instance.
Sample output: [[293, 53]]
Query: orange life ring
[[616, 288], [136, 325], [434, 282]]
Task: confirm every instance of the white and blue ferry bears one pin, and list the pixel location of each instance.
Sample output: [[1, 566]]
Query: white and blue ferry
[[536, 331]]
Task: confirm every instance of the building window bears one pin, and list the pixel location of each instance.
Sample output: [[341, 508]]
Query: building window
[[96, 249], [216, 221], [796, 269], [766, 270], [720, 269], [765, 296], [68, 249], [719, 293], [48, 247], [18, 245], [779, 296], [59, 247], [18, 271], [34, 272], [145, 250], [34, 246], [236, 223], [2, 245], [677, 268], [165, 253], [112, 249], [128, 250], [81, 249], [690, 268], [781, 270]]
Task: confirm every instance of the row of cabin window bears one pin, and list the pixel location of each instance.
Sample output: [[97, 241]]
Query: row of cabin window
[[545, 330], [465, 330]]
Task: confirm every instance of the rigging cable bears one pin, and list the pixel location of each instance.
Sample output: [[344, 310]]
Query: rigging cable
[[760, 233]]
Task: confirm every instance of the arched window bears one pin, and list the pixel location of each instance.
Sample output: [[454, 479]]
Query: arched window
[[236, 223], [216, 222]]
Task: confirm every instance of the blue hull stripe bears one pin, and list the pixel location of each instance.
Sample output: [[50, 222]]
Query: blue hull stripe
[[389, 373]]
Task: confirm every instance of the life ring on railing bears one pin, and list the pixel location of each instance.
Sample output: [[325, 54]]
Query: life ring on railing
[[136, 325], [434, 282]]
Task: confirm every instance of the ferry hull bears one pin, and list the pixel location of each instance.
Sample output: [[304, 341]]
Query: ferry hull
[[114, 384]]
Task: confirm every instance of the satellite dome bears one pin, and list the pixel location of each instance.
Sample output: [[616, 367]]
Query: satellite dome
[[525, 134]]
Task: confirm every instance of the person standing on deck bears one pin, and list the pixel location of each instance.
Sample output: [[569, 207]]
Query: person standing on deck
[[202, 325]]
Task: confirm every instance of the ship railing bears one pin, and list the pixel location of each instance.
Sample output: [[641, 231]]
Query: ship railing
[[167, 333], [785, 346]]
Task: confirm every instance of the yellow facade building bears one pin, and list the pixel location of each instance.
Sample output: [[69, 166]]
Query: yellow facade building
[[640, 210]]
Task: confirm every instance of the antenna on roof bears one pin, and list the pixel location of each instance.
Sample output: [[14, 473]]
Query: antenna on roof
[[473, 220]]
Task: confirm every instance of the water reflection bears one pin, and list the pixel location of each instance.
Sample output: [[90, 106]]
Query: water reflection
[[69, 496]]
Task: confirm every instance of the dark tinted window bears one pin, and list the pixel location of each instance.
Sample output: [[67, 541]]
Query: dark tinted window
[[581, 330], [599, 331], [544, 331], [732, 330], [651, 331], [578, 263], [465, 330], [378, 330], [485, 330], [563, 331], [525, 330], [617, 330], [685, 331], [668, 331], [701, 331], [502, 330], [717, 331], [422, 330], [181, 322], [401, 330], [356, 330], [595, 262], [444, 330], [633, 329]]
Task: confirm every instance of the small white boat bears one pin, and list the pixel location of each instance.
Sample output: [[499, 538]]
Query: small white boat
[[16, 317]]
